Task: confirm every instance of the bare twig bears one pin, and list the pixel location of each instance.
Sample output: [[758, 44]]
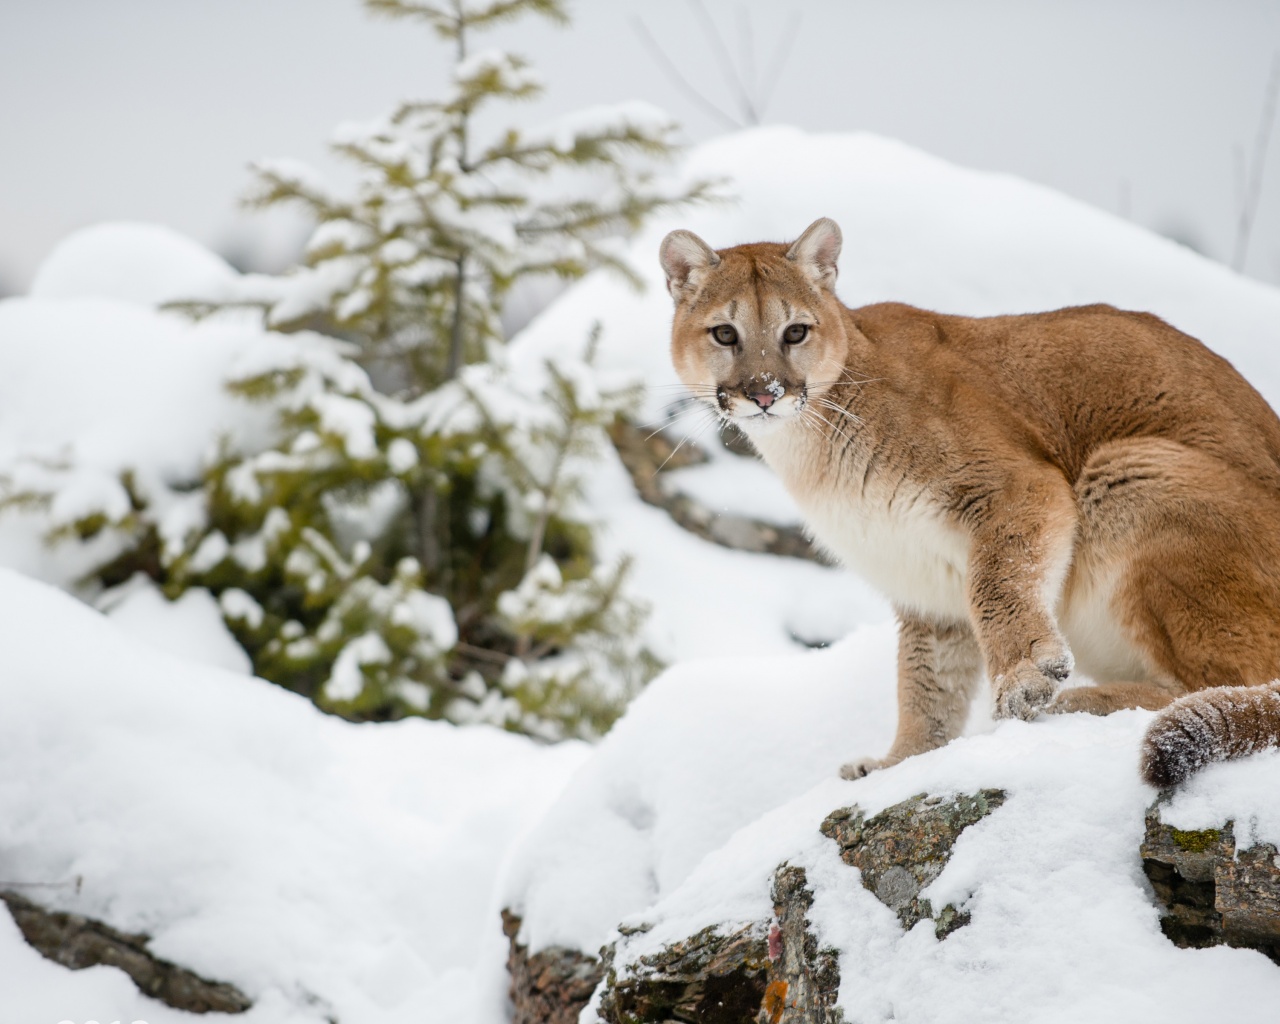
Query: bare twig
[[779, 61], [1250, 177], [747, 42], [673, 72], [751, 92], [728, 66]]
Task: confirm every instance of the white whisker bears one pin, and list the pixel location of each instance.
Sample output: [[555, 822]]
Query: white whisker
[[831, 425]]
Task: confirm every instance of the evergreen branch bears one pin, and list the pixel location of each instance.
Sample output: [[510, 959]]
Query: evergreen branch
[[275, 185], [602, 147], [451, 22], [202, 309], [508, 10]]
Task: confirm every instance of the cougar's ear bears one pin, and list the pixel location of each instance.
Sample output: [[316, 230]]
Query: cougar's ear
[[817, 250], [684, 257]]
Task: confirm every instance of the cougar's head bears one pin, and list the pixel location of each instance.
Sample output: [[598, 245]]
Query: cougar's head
[[758, 331]]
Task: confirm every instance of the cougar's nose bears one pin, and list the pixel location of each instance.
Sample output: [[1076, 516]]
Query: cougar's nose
[[763, 399]]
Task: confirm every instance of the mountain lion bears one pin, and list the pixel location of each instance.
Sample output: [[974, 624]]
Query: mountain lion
[[1023, 488]]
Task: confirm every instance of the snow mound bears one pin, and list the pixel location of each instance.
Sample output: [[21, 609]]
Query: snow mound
[[329, 870], [148, 264], [118, 385], [191, 627], [92, 388]]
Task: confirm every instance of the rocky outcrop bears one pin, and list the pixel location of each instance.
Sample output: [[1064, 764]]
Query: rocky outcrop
[[714, 977], [905, 847], [550, 986], [804, 979], [1213, 893], [78, 942], [763, 972], [775, 972], [647, 456]]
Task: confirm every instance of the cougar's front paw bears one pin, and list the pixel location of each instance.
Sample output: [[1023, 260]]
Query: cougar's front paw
[[1023, 692], [864, 766], [1053, 658]]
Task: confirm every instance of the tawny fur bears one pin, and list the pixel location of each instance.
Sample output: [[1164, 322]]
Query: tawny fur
[[1087, 488]]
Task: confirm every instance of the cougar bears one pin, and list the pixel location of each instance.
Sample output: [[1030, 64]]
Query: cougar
[[1085, 490]]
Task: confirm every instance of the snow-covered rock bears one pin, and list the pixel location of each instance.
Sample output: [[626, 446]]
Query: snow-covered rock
[[723, 771]]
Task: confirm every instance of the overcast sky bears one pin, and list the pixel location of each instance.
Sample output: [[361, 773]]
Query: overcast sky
[[151, 109]]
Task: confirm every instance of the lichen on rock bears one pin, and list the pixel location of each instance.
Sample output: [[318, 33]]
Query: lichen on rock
[[1211, 892], [901, 850], [804, 978]]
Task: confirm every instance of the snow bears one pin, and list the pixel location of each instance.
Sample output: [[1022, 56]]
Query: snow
[[350, 420], [115, 383], [190, 627], [356, 872], [1238, 791], [108, 386], [148, 264], [347, 679], [605, 120], [630, 827], [735, 484], [329, 870], [240, 606]]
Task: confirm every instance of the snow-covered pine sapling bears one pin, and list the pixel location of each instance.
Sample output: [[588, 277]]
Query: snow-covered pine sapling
[[406, 539]]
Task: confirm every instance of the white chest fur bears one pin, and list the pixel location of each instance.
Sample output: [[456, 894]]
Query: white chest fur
[[893, 537]]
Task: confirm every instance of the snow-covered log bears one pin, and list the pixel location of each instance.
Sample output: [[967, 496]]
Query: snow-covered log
[[646, 454]]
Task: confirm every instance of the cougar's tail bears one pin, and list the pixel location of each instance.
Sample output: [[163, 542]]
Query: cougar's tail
[[1210, 725]]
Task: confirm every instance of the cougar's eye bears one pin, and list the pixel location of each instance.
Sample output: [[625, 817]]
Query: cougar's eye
[[795, 334], [725, 334]]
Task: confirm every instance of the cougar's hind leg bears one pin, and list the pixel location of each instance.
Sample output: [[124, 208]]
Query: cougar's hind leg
[[1108, 697], [1196, 595], [939, 667]]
